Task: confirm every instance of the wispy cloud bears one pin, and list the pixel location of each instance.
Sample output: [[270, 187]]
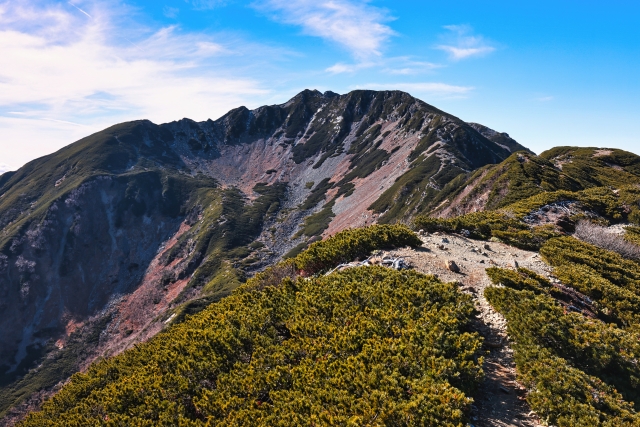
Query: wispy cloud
[[442, 90], [407, 66], [460, 43], [545, 98], [341, 68], [353, 24], [170, 12], [81, 11], [62, 68], [403, 66], [206, 4]]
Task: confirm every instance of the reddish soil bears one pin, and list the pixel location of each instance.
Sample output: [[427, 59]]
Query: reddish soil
[[352, 212], [137, 315]]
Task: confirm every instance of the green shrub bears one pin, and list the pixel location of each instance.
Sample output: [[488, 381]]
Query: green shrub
[[272, 276], [522, 279], [567, 397], [612, 266], [351, 244], [479, 225], [487, 224], [317, 195], [599, 273], [619, 304], [531, 239], [632, 234], [613, 204], [368, 346], [345, 246], [315, 224], [579, 371]]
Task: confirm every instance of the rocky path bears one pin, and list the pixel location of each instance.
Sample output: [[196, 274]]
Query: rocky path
[[500, 399]]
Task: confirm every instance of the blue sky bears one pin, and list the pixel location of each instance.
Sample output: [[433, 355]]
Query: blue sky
[[548, 73]]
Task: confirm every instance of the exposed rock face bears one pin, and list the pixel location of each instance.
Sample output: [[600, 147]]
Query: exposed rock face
[[127, 226], [70, 264]]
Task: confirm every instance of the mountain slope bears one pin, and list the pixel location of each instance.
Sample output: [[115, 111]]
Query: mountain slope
[[110, 239], [374, 149], [523, 175], [359, 346], [123, 234]]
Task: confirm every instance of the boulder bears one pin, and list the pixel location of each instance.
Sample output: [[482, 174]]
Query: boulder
[[375, 260], [452, 266]]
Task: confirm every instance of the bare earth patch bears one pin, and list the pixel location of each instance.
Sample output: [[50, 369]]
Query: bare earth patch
[[602, 153]]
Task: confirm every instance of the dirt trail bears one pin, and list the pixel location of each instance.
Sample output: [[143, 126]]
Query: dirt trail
[[500, 399]]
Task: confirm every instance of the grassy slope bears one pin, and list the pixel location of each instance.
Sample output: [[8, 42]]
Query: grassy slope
[[28, 193], [422, 187], [524, 175]]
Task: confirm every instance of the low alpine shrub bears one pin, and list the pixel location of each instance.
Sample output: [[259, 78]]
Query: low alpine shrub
[[579, 371], [367, 346], [348, 245]]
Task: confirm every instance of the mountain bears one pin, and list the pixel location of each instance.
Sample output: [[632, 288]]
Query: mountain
[[109, 240], [213, 272], [523, 175]]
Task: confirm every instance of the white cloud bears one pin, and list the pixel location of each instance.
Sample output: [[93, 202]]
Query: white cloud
[[4, 168], [341, 68], [461, 44], [353, 24], [406, 66], [170, 12], [206, 4], [392, 65], [465, 52], [70, 73], [545, 98], [438, 89]]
